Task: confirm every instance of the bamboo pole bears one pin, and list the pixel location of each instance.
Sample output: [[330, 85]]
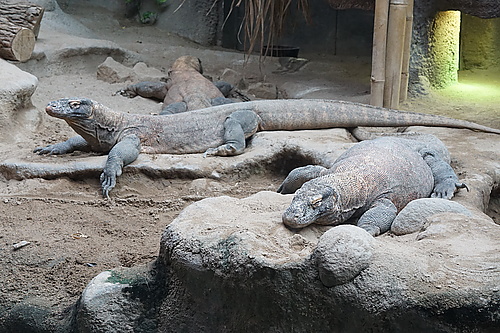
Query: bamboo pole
[[379, 51], [403, 91], [394, 55]]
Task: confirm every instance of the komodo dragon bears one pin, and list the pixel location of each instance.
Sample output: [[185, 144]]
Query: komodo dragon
[[186, 88], [217, 130], [372, 181]]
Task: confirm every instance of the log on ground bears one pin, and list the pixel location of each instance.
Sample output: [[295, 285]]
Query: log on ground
[[16, 43], [26, 15]]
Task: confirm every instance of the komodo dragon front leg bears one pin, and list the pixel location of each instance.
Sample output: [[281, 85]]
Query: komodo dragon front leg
[[123, 153]]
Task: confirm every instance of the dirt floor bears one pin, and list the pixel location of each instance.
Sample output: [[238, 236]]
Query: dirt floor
[[74, 234]]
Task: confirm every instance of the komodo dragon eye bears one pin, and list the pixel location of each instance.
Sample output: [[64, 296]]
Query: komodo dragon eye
[[315, 201], [74, 104]]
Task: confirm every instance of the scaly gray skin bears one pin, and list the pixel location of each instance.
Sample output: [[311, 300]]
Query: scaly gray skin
[[186, 88], [218, 130], [371, 181]]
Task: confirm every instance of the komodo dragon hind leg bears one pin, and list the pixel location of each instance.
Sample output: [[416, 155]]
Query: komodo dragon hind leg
[[224, 87], [220, 101], [230, 91], [445, 179], [172, 108], [378, 218], [239, 126]]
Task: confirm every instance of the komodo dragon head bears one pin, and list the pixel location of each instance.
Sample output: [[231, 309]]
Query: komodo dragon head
[[315, 202], [187, 63], [71, 109], [93, 121]]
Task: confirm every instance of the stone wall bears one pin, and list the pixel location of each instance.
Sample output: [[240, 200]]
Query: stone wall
[[198, 20], [480, 44], [435, 46], [444, 41]]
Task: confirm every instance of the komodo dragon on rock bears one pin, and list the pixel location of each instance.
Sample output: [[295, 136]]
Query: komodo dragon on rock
[[217, 130], [186, 88], [371, 181]]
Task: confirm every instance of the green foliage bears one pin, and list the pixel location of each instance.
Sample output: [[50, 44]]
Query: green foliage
[[148, 17]]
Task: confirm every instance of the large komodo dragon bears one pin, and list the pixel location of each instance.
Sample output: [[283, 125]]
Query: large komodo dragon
[[186, 88], [371, 181], [217, 130]]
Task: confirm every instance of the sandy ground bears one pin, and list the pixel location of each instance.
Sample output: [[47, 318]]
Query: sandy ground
[[74, 234]]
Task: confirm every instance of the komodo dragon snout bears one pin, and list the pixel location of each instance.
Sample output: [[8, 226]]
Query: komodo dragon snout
[[318, 204]]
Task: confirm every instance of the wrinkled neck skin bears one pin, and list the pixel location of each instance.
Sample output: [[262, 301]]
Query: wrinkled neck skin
[[100, 130], [327, 200]]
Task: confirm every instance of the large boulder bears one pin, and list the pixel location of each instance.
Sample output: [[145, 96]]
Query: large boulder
[[233, 266], [17, 114], [417, 213], [230, 265]]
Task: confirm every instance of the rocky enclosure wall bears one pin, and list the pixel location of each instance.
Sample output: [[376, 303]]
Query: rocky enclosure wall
[[480, 45], [436, 35]]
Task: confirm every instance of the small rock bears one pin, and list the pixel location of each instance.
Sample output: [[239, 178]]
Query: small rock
[[291, 64], [342, 253], [21, 244], [145, 73], [199, 185], [234, 78], [231, 76], [114, 72], [418, 212], [263, 90]]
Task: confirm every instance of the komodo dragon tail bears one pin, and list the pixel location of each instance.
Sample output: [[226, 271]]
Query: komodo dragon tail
[[317, 114]]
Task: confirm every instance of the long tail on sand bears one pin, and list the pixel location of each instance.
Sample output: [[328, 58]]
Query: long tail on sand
[[316, 114]]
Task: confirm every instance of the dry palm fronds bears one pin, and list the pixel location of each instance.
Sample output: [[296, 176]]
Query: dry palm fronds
[[350, 4], [264, 19]]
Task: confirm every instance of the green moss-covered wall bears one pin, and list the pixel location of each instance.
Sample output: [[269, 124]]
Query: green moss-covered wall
[[480, 43], [444, 48]]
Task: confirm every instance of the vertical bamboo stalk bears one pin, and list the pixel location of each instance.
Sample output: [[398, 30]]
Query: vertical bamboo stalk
[[394, 55], [403, 91], [379, 51]]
